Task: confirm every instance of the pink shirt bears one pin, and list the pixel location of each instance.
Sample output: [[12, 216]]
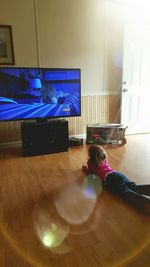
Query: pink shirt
[[102, 170]]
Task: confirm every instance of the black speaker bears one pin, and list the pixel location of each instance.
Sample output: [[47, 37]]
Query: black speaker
[[44, 137]]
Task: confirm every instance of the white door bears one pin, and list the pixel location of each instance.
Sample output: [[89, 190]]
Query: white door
[[135, 111]]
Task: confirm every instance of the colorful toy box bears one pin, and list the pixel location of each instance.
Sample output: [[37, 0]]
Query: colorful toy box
[[103, 134]]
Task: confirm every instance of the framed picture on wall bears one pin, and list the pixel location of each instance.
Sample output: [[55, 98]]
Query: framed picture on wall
[[6, 46]]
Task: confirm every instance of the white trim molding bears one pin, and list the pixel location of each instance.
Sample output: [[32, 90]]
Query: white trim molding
[[102, 93]]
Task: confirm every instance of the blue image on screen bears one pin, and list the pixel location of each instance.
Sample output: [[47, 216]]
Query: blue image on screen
[[31, 93]]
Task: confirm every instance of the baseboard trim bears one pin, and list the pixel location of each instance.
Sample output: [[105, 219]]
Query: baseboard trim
[[11, 144]]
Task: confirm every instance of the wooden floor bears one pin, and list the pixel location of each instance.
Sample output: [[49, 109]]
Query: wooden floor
[[36, 199]]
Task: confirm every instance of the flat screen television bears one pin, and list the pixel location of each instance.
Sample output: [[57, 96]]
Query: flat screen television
[[39, 93]]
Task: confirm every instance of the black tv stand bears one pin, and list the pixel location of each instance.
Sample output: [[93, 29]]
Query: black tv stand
[[41, 120], [44, 137], [44, 120]]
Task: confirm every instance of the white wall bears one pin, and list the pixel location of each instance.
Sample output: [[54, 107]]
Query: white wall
[[20, 14], [69, 33]]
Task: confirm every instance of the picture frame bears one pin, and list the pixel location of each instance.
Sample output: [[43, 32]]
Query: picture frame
[[6, 46]]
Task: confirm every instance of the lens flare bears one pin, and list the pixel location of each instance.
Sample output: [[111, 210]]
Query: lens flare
[[49, 230], [92, 186], [48, 239], [73, 205]]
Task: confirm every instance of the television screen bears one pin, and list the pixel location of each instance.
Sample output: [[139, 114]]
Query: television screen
[[37, 93]]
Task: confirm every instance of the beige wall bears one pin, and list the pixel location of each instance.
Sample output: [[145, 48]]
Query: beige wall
[[69, 33], [20, 14]]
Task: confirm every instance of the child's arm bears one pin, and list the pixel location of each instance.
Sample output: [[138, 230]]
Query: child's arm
[[85, 169]]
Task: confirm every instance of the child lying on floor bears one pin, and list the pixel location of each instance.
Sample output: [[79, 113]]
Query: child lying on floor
[[116, 182]]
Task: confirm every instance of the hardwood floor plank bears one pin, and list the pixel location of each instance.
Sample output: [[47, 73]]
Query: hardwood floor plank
[[113, 233]]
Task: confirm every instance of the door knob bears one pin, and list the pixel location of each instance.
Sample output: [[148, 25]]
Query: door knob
[[125, 90]]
